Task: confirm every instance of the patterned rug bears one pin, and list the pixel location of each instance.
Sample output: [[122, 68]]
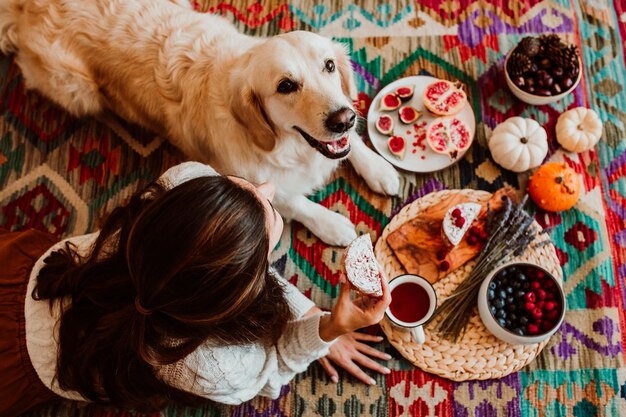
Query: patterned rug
[[61, 175]]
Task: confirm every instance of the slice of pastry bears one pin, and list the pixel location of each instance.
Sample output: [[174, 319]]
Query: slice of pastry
[[458, 220], [361, 267]]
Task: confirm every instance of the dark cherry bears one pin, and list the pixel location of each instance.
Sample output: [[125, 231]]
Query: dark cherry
[[546, 82], [543, 92], [557, 72], [545, 63], [567, 83], [531, 90], [530, 82], [519, 81], [533, 68]]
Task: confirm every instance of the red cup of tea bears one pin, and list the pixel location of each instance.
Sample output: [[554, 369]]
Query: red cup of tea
[[413, 303]]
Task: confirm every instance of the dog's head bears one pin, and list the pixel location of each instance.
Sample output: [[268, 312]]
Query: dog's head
[[297, 84]]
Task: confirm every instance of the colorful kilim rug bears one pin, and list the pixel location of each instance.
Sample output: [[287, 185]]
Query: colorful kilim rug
[[61, 174]]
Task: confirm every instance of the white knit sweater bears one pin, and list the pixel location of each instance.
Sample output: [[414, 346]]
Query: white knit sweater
[[226, 374]]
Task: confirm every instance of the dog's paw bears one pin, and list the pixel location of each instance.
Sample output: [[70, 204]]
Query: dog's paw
[[383, 178], [334, 229]]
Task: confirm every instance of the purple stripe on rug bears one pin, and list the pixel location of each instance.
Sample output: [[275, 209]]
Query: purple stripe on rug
[[366, 75], [491, 392], [430, 186], [616, 208], [617, 163], [565, 349]]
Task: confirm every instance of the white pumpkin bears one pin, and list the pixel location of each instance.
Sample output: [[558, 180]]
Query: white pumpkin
[[518, 144], [579, 129]]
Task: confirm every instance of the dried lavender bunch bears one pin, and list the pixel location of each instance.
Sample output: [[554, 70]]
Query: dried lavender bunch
[[511, 231]]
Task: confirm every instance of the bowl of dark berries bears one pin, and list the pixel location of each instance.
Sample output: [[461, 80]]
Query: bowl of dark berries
[[521, 303], [542, 69]]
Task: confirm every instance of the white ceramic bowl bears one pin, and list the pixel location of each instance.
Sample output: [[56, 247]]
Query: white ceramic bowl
[[500, 332], [532, 98]]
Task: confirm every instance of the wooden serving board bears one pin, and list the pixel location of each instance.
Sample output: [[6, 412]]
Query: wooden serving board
[[417, 241]]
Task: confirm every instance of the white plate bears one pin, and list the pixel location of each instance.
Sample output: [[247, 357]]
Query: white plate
[[422, 160]]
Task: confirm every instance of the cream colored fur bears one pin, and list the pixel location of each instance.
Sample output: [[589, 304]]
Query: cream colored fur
[[208, 88]]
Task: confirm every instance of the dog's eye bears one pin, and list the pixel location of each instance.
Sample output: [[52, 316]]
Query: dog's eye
[[287, 86], [330, 65]]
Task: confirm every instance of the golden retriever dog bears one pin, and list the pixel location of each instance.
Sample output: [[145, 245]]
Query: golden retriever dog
[[273, 109]]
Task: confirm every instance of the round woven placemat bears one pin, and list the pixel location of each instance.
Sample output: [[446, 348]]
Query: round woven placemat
[[477, 354]]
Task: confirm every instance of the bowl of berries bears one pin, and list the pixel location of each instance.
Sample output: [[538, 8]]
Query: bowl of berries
[[521, 303], [542, 70]]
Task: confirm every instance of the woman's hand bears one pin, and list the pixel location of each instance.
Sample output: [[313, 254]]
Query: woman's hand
[[351, 354], [349, 315]]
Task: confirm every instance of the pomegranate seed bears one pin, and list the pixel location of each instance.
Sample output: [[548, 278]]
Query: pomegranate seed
[[529, 306], [537, 313], [472, 240], [530, 297], [552, 314], [456, 212], [532, 329], [541, 294], [549, 306], [444, 266], [441, 254], [535, 285], [459, 222]]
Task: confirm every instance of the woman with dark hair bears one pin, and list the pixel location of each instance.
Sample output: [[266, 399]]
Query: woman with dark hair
[[172, 300]]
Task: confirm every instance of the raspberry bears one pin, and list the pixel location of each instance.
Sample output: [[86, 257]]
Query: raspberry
[[552, 314], [444, 266], [441, 254], [540, 305], [459, 222], [532, 329], [530, 297], [549, 296], [541, 295], [529, 306], [456, 212], [537, 313], [540, 274], [535, 285]]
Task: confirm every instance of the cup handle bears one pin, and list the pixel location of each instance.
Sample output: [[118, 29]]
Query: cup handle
[[417, 334]]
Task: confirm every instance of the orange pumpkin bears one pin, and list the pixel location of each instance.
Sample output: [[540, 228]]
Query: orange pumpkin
[[554, 187]]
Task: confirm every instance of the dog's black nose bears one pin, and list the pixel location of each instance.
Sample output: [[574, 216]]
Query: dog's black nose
[[340, 120]]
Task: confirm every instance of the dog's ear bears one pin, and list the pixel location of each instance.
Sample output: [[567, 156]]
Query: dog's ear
[[247, 108], [345, 71]]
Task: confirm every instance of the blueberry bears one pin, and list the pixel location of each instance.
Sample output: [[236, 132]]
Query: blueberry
[[519, 294], [523, 320], [502, 294], [521, 277], [499, 303], [493, 285], [508, 324], [513, 317], [519, 331], [501, 314], [516, 285], [512, 270], [502, 322], [493, 310], [510, 301], [509, 289], [526, 285]]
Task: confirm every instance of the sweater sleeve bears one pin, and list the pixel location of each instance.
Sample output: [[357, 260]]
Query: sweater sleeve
[[297, 301], [235, 374]]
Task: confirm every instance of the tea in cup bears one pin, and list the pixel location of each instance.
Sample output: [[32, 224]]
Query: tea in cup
[[413, 303]]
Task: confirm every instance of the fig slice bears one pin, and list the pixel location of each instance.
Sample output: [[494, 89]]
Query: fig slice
[[384, 124], [389, 102], [397, 146], [408, 114], [405, 93]]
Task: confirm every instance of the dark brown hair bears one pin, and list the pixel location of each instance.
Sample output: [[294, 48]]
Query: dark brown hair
[[169, 271]]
